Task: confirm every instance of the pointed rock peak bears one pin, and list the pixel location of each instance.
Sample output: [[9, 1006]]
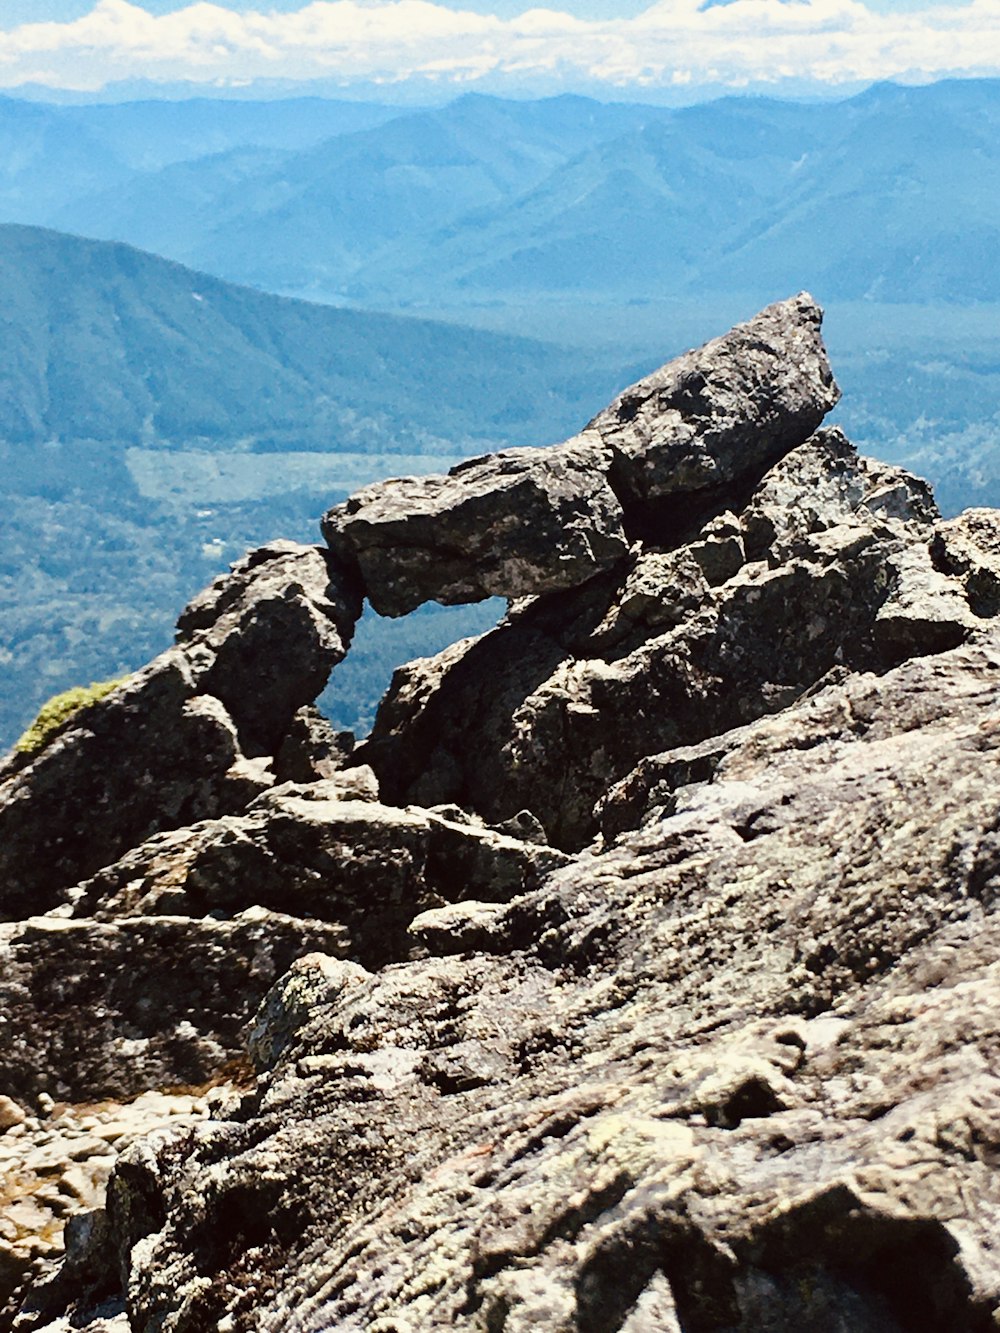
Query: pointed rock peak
[[530, 521], [723, 414]]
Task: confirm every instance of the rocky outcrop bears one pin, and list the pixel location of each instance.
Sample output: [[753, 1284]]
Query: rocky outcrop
[[724, 413], [735, 1070], [364, 866], [533, 521], [186, 738], [829, 566], [637, 972]]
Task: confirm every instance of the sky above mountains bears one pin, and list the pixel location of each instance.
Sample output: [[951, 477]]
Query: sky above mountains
[[624, 47]]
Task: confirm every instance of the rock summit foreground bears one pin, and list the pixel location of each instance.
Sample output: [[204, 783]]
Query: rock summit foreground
[[639, 970]]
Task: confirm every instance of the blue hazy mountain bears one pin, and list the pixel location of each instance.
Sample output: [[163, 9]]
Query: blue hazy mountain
[[901, 204], [311, 219], [892, 195], [52, 156], [636, 216], [147, 135], [42, 164]]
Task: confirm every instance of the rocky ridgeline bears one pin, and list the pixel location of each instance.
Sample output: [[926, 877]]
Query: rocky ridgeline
[[638, 972]]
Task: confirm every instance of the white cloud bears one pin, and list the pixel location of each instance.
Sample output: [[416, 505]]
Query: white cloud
[[672, 43]]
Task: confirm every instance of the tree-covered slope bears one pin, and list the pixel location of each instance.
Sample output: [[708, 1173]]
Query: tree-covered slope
[[104, 342]]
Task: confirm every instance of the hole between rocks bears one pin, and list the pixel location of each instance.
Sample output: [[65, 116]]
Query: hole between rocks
[[358, 683]]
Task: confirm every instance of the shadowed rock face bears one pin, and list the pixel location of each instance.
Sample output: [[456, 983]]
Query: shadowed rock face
[[639, 972], [267, 636], [828, 567], [170, 745]]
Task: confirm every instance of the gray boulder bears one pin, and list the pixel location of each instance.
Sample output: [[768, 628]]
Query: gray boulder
[[723, 414], [531, 521], [968, 548], [511, 524], [93, 1010]]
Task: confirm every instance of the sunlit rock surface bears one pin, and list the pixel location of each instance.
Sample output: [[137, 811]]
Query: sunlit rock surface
[[638, 972]]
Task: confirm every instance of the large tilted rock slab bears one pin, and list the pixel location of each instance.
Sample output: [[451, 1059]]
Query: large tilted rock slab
[[184, 739], [531, 521], [737, 1072], [518, 522], [722, 414], [829, 566]]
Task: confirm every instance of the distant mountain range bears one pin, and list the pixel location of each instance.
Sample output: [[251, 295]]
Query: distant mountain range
[[53, 155], [318, 218], [893, 195]]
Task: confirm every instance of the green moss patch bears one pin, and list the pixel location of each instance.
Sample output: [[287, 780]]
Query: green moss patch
[[54, 716]]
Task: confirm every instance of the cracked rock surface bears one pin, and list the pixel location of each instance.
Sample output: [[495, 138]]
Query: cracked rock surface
[[639, 971], [739, 1065], [828, 567]]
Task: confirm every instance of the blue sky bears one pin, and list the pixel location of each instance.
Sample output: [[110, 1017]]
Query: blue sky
[[618, 47]]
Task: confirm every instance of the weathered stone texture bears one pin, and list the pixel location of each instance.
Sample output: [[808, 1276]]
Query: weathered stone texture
[[566, 696], [171, 745], [723, 413], [512, 524], [738, 1066], [92, 1010], [638, 973], [366, 867]]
